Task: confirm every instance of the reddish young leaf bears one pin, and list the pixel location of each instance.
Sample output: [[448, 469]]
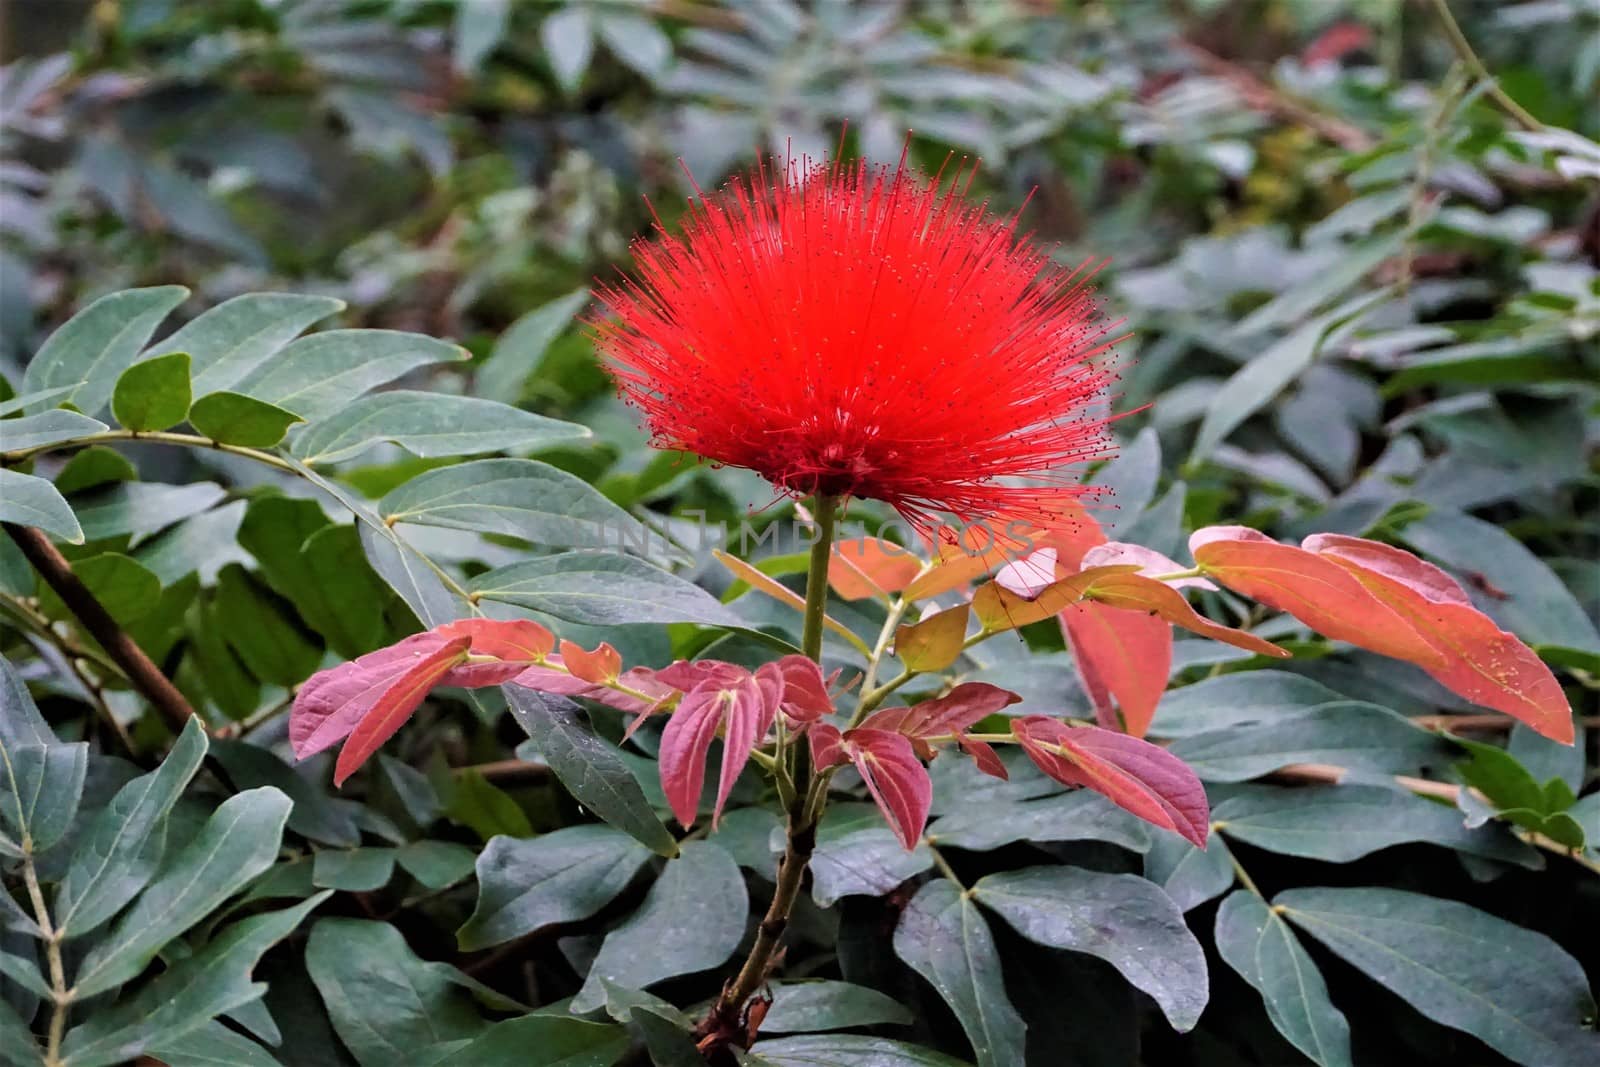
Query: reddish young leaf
[[1482, 662], [896, 779], [756, 579], [805, 692], [646, 694], [1142, 778], [1135, 592], [1123, 657], [738, 707], [333, 702], [517, 643], [864, 567], [1313, 589], [984, 755], [934, 643], [827, 746], [390, 711], [952, 713], [600, 666]]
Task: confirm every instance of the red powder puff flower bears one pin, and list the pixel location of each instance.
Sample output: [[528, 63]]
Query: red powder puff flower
[[853, 330]]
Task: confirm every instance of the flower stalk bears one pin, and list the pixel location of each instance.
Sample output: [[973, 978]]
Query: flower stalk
[[728, 1019]]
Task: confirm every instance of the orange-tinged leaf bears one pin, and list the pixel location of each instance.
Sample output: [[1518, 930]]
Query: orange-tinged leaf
[[977, 551], [1482, 662], [1124, 658], [1313, 589], [1391, 562], [864, 567], [601, 666], [935, 642], [998, 608], [1135, 592], [395, 706], [508, 639], [778, 591]]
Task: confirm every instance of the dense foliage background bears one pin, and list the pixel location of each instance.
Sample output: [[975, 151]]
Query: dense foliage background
[[1362, 287]]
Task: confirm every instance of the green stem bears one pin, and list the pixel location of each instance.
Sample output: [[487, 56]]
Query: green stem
[[827, 514], [1463, 47]]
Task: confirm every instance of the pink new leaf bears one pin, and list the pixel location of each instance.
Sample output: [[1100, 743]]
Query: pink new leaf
[[1137, 776], [332, 702], [741, 707], [896, 779], [395, 705]]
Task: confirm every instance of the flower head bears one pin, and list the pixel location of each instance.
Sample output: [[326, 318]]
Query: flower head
[[856, 330]]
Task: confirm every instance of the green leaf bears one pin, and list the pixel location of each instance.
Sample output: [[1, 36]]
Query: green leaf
[[187, 995], [437, 864], [857, 855], [386, 1004], [809, 1007], [515, 497], [1121, 918], [121, 849], [269, 644], [212, 1045], [517, 353], [17, 1046], [1232, 699], [236, 419], [318, 375], [1517, 796], [430, 425], [154, 393], [40, 786], [1077, 816], [1341, 823], [588, 766], [543, 1041], [20, 721], [237, 843], [321, 569], [1189, 875], [314, 816], [35, 400], [93, 467], [943, 937], [692, 920], [124, 587], [1350, 734], [848, 1050], [1254, 385], [1255, 941], [478, 29], [46, 428], [29, 501], [92, 349], [355, 870], [230, 340], [200, 545], [139, 509], [476, 802], [602, 589], [1515, 990], [527, 884]]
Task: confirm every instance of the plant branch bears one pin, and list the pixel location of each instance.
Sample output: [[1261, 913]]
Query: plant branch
[[60, 996], [1464, 50], [144, 675], [726, 1021]]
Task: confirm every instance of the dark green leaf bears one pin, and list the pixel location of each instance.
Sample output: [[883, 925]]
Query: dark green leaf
[[429, 425], [1515, 990], [212, 1045], [319, 375], [92, 349], [29, 501], [1189, 875], [602, 589], [139, 509], [122, 847], [228, 341], [588, 766], [849, 1050], [237, 843], [46, 428], [268, 643], [1077, 816], [523, 344], [809, 1007], [543, 1041], [516, 497], [857, 855], [236, 419], [691, 920], [1121, 918], [527, 884], [356, 870], [1256, 942], [153, 394], [191, 992], [943, 937], [1250, 696], [489, 811], [1349, 734], [40, 786], [124, 587]]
